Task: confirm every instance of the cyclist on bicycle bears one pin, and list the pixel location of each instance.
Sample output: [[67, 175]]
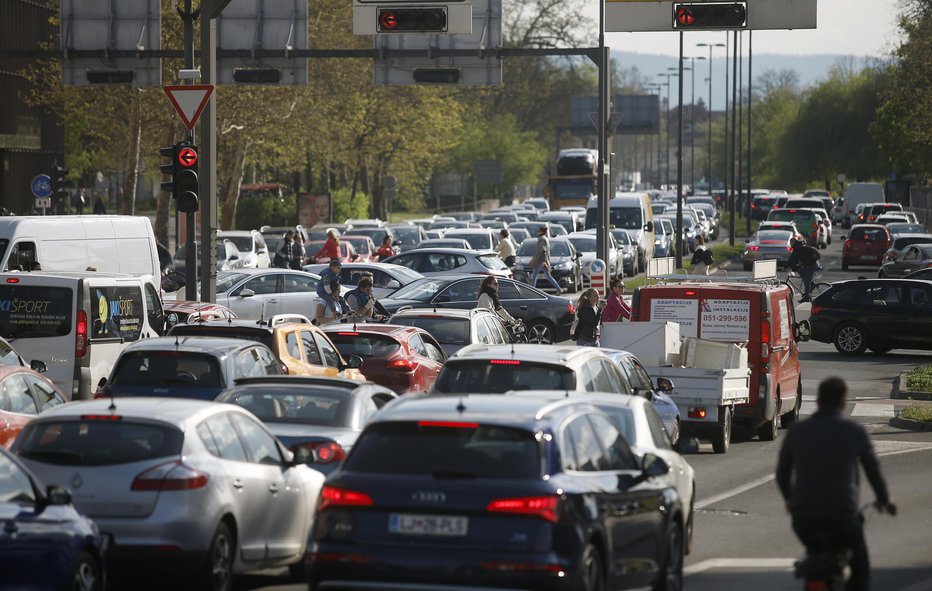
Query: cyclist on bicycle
[[805, 260], [818, 477]]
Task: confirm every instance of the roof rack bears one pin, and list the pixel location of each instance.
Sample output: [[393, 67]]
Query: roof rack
[[663, 269]]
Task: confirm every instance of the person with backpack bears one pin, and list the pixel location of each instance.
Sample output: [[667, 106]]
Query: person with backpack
[[702, 258], [805, 261], [588, 324]]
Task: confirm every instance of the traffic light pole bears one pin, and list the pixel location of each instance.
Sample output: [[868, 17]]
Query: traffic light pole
[[190, 259], [210, 9], [605, 143], [679, 165]]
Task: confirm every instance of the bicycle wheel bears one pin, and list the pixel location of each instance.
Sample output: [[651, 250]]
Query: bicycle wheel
[[793, 289], [819, 287]]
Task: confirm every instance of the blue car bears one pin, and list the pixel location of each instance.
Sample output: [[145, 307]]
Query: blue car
[[497, 491], [45, 543]]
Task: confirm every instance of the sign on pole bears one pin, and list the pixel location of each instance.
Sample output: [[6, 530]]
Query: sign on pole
[[41, 186], [649, 15], [189, 101]]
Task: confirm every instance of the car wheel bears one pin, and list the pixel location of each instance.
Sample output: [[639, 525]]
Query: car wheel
[[689, 524], [591, 576], [671, 569], [85, 574], [218, 572], [540, 331], [675, 435], [722, 437], [850, 339]]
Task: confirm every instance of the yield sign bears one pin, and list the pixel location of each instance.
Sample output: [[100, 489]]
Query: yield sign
[[189, 101]]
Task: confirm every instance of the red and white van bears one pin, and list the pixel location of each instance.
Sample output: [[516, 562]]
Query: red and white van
[[760, 314]]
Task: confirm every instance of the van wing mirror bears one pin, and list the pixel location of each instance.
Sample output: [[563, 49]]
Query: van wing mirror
[[649, 226], [665, 385], [38, 366], [802, 331]]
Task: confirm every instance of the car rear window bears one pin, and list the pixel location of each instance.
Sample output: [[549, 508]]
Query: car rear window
[[98, 442], [232, 332], [364, 345], [493, 262], [494, 376], [30, 312], [869, 234], [325, 408], [167, 369], [448, 331], [444, 449]]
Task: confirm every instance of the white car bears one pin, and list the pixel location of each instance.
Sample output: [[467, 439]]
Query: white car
[[251, 244], [585, 243], [386, 278], [199, 486], [263, 293]]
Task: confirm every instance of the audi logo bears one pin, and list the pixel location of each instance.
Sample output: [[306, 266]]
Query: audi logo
[[426, 496]]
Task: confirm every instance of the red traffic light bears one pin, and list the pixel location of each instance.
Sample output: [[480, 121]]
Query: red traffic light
[[187, 157], [685, 16], [710, 15], [388, 20], [412, 20]]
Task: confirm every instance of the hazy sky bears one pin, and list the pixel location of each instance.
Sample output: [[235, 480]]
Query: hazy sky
[[847, 27]]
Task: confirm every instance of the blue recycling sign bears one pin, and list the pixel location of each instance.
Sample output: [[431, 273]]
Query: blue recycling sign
[[42, 186]]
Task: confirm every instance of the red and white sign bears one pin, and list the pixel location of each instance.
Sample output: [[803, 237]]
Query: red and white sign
[[189, 101], [187, 157]]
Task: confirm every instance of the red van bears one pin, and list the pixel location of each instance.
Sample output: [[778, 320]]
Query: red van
[[760, 314]]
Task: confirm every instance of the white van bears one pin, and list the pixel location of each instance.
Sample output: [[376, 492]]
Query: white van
[[106, 243], [633, 212], [858, 193], [77, 323]]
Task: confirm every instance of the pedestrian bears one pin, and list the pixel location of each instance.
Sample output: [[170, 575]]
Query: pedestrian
[[541, 260], [506, 249], [360, 300], [805, 261], [327, 277], [818, 477], [99, 207], [386, 249], [379, 311], [298, 255], [702, 257], [332, 308], [282, 258], [488, 299], [616, 308], [331, 247], [589, 319]]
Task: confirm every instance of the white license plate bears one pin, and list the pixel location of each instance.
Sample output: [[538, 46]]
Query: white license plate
[[867, 257], [428, 525]]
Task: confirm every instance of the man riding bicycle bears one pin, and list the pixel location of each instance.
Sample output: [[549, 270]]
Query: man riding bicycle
[[805, 259], [817, 474]]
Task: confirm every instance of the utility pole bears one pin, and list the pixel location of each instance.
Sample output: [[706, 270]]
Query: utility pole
[[679, 166], [750, 100], [190, 260], [734, 126], [605, 140]]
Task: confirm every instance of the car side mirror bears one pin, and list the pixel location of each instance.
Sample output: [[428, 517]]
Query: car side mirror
[[802, 331], [665, 385], [38, 366], [653, 466], [649, 226], [844, 236], [578, 255], [353, 362], [247, 293], [57, 495], [393, 284]]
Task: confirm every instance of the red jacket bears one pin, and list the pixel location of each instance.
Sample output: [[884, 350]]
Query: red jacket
[[616, 309], [385, 251], [330, 250]]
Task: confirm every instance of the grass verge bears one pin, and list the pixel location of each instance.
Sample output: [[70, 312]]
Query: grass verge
[[919, 379], [917, 413]]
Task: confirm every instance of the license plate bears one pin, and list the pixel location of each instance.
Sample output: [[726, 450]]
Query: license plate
[[867, 257], [428, 525]]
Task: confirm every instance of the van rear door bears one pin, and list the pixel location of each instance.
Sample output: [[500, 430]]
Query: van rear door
[[784, 357], [117, 318]]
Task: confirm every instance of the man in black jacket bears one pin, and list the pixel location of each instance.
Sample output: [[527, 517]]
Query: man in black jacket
[[818, 477], [806, 259]]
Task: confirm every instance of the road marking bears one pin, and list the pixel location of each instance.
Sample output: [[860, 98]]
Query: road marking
[[781, 563], [873, 410], [734, 492]]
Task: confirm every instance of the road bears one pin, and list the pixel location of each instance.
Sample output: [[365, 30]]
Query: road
[[743, 538]]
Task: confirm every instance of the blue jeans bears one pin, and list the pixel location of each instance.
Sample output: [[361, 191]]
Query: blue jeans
[[537, 269], [585, 343], [807, 272]]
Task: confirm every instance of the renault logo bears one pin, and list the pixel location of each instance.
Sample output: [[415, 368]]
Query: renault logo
[[426, 496], [76, 481]]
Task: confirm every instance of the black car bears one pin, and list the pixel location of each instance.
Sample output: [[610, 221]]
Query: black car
[[508, 492], [565, 264], [880, 314], [548, 318]]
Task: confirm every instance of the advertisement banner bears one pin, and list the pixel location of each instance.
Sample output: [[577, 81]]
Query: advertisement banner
[[683, 311], [117, 313], [314, 208], [726, 320]]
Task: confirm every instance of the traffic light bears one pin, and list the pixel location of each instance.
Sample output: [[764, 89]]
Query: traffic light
[[60, 184], [407, 20], [169, 169], [710, 15], [186, 183]]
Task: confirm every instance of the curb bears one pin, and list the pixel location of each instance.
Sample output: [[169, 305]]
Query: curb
[[910, 424], [898, 382]]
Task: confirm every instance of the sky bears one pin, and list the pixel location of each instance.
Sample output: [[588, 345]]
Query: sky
[[845, 27]]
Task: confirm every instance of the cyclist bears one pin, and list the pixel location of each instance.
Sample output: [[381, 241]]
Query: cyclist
[[817, 474], [805, 260]]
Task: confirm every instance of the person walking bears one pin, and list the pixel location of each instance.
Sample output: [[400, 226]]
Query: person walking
[[817, 474], [616, 308], [298, 255], [589, 318], [541, 260], [506, 249], [285, 252], [488, 298], [702, 257], [385, 249], [99, 207], [331, 248], [805, 260]]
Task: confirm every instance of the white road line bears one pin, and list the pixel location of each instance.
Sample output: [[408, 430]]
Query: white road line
[[734, 492], [873, 410], [781, 563]]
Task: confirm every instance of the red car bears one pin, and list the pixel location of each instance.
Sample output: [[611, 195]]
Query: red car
[[364, 246], [404, 358], [23, 394], [865, 245]]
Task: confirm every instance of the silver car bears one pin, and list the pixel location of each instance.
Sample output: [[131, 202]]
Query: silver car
[[191, 488], [263, 293], [443, 261]]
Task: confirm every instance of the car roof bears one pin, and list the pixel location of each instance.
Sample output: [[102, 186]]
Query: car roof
[[455, 231], [497, 409], [192, 344], [533, 353], [176, 411], [437, 312], [449, 251], [386, 329]]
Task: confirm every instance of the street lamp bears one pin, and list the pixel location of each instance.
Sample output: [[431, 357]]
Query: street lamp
[[692, 121], [710, 46], [667, 155]]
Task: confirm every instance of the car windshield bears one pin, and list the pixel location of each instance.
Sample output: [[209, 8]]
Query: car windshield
[[407, 235], [869, 234], [447, 331], [420, 290], [492, 262], [476, 241], [583, 244], [440, 450], [365, 345], [774, 237], [326, 408], [104, 442], [484, 376]]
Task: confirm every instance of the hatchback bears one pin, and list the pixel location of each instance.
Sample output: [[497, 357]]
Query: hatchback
[[46, 544], [880, 314], [913, 258], [404, 358], [518, 492], [386, 278], [186, 487], [364, 247], [478, 239], [807, 222], [262, 293], [761, 206], [768, 245], [23, 394], [455, 328], [251, 245], [878, 209], [438, 261], [407, 236], [865, 244]]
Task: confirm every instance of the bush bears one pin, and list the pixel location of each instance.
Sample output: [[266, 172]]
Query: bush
[[344, 208], [254, 212], [919, 379], [917, 413]]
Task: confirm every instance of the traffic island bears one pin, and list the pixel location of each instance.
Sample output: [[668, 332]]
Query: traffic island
[[914, 385]]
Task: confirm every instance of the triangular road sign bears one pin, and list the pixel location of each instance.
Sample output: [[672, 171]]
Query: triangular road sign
[[189, 101]]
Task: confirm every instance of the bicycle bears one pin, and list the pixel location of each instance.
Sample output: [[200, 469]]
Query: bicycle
[[794, 281], [517, 331]]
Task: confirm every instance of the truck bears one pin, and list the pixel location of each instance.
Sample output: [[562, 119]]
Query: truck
[[576, 178]]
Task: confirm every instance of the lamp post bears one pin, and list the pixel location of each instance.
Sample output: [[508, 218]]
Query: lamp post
[[710, 46], [667, 154], [692, 121], [653, 87]]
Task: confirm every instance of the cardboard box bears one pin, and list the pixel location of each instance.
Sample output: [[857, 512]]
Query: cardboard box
[[653, 343], [707, 354]]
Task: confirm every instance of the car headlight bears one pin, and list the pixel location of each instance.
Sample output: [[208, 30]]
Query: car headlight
[[658, 241], [628, 255]]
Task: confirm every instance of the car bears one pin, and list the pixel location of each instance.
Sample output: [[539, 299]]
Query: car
[[585, 244], [386, 277], [865, 244], [364, 247], [920, 274], [664, 231], [405, 359], [303, 348], [901, 241], [442, 261], [825, 235], [503, 488], [24, 393], [519, 235], [376, 233], [711, 213], [320, 231], [659, 208], [407, 236], [690, 231], [768, 245], [478, 238], [630, 263], [838, 211], [458, 243], [455, 328], [433, 234], [886, 219], [565, 264], [251, 244], [539, 203], [192, 489], [913, 258], [178, 311], [262, 293], [318, 420], [453, 224], [186, 367], [422, 222], [788, 226], [638, 383], [806, 220], [47, 544], [553, 228], [761, 206], [505, 216], [570, 220], [313, 248], [548, 318], [872, 212], [227, 255], [879, 314], [364, 223]]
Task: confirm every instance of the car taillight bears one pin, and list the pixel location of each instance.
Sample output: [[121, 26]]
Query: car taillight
[[571, 308], [169, 476], [872, 218], [80, 335], [754, 248], [504, 362], [401, 365], [109, 418], [847, 244], [331, 496], [544, 507], [765, 341], [322, 452], [815, 310]]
